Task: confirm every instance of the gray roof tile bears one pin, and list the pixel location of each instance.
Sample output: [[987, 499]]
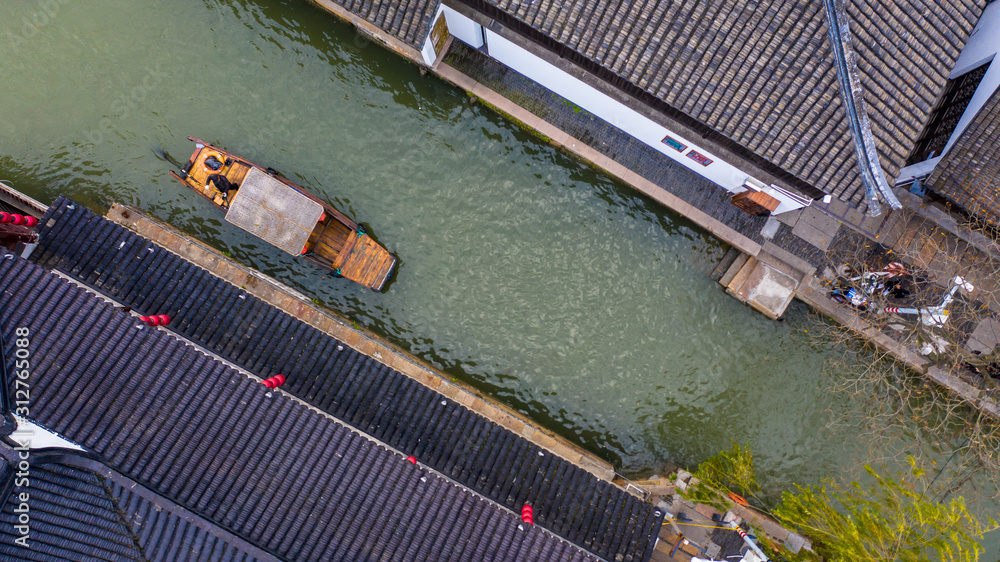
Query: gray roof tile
[[80, 510], [363, 393], [253, 463], [969, 174], [762, 73]]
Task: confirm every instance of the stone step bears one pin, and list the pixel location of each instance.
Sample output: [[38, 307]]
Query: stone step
[[734, 268], [725, 263], [739, 278]]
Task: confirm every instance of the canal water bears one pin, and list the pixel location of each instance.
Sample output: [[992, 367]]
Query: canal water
[[522, 271]]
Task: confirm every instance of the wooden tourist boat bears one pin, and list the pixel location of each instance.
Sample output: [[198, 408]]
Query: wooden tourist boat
[[269, 206]]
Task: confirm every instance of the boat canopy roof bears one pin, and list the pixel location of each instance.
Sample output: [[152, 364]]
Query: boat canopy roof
[[270, 209]]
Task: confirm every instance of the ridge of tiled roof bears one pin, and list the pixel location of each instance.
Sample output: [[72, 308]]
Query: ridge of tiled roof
[[762, 74], [79, 509], [260, 464], [969, 174], [461, 444]]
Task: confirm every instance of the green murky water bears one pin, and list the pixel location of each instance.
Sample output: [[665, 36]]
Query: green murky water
[[522, 271]]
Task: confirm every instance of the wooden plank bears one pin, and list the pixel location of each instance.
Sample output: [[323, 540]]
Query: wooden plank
[[346, 251], [368, 263], [237, 172]]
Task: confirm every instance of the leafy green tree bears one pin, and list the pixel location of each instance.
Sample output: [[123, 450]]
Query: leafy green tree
[[887, 519], [725, 472]]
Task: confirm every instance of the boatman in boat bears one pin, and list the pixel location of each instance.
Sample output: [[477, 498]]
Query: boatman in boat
[[221, 182]]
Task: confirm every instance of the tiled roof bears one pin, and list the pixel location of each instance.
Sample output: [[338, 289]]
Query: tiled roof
[[969, 174], [407, 20], [373, 398], [77, 514], [259, 464], [762, 74]]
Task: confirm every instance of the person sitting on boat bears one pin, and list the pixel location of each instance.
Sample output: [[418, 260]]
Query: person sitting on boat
[[222, 184]]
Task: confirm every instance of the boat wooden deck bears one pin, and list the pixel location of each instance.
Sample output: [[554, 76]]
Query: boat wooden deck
[[365, 261], [328, 239]]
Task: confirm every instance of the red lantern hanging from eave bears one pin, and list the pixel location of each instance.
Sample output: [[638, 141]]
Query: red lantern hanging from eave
[[274, 382], [528, 514], [156, 320], [14, 218]]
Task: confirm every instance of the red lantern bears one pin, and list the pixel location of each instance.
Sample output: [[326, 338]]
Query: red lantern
[[528, 514], [274, 382], [156, 320], [14, 218]]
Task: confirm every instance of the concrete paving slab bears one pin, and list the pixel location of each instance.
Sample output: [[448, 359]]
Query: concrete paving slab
[[953, 383], [837, 207], [820, 220], [789, 218], [770, 227], [800, 265], [795, 542], [734, 269], [990, 406], [913, 238], [872, 224], [777, 263], [813, 235], [928, 249], [943, 266], [892, 229], [762, 522], [853, 217]]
